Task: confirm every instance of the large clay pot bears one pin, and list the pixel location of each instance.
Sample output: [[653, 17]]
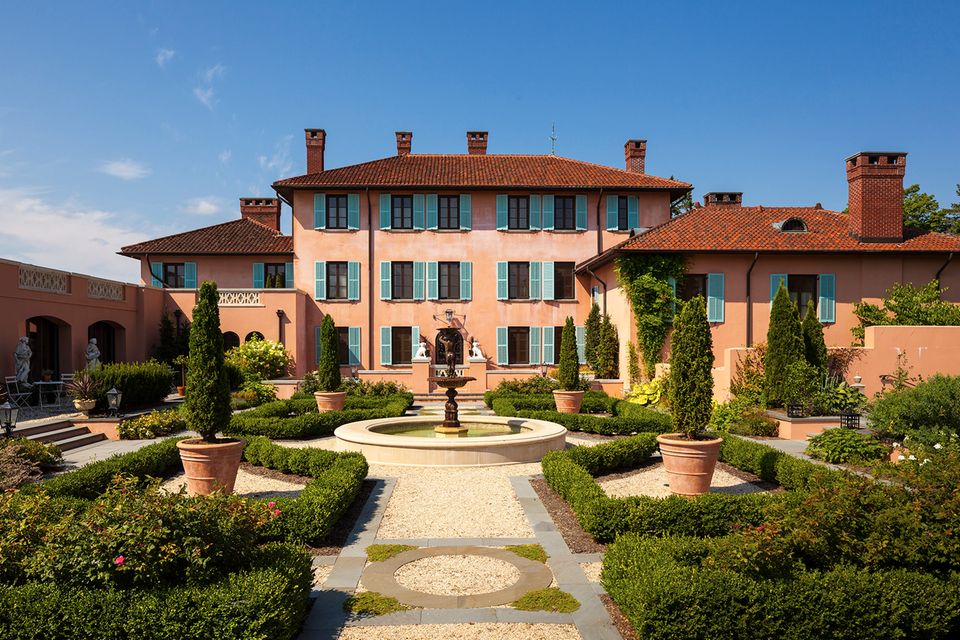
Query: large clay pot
[[689, 463], [181, 391], [209, 466], [330, 400], [568, 401], [86, 406]]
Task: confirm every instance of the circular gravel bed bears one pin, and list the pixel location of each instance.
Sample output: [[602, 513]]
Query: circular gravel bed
[[459, 575], [652, 481], [469, 631]]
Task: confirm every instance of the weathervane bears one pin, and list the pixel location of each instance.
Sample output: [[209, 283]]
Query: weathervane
[[553, 139]]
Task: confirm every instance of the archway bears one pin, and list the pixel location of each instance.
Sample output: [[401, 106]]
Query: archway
[[456, 343], [109, 337], [50, 343], [253, 335], [231, 340]]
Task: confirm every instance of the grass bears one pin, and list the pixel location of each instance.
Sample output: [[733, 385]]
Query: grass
[[529, 551], [371, 603], [381, 552], [550, 599]]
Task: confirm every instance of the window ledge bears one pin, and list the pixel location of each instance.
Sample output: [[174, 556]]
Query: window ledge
[[567, 230], [450, 230], [335, 300], [519, 230], [327, 229], [402, 230]]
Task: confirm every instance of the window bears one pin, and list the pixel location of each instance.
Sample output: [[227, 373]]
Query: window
[[518, 280], [564, 213], [337, 212], [623, 220], [274, 275], [557, 338], [173, 275], [401, 280], [802, 289], [518, 345], [343, 345], [448, 276], [795, 225], [449, 212], [336, 281], [401, 341], [692, 285], [564, 282], [518, 212], [402, 212]]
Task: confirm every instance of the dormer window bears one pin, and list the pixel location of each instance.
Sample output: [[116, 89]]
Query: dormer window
[[793, 225]]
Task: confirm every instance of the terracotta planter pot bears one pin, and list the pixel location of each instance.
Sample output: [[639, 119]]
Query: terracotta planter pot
[[181, 391], [86, 406], [568, 401], [330, 400], [689, 463], [210, 467], [896, 453]]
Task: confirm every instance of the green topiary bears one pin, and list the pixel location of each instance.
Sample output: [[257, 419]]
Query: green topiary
[[814, 347], [569, 373], [606, 364], [691, 364], [328, 371], [784, 346], [591, 337], [207, 407]]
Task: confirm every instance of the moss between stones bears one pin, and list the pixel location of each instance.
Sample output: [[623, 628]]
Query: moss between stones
[[529, 551], [371, 603], [549, 599], [381, 552]]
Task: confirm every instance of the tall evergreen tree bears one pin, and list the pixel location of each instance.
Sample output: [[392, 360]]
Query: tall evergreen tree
[[784, 346], [814, 346], [207, 407], [167, 348], [691, 369], [591, 337], [607, 365], [328, 371], [569, 372]]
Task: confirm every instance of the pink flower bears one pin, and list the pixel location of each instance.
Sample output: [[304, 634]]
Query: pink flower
[[276, 512], [271, 504], [119, 560]]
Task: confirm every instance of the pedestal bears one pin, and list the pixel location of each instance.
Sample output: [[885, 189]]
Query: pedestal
[[477, 368], [451, 421], [421, 371]]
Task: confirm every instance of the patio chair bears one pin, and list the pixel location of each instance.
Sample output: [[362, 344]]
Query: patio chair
[[19, 398], [66, 379]]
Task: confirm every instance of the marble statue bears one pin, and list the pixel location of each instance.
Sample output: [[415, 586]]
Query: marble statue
[[93, 354], [21, 359], [421, 349], [475, 350]]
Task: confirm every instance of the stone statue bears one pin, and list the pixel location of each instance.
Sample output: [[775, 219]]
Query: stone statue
[[93, 354], [21, 359], [475, 350], [421, 349]]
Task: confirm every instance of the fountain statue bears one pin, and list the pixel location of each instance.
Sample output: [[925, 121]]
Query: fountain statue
[[449, 380]]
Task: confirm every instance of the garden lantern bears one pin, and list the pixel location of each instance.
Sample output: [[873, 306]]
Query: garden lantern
[[448, 314], [113, 401], [8, 418]]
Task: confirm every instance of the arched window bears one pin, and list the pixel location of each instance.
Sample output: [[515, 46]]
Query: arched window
[[253, 335], [107, 335], [456, 344], [794, 225], [231, 340]]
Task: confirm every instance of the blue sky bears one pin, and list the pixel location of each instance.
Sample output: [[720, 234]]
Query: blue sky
[[121, 121]]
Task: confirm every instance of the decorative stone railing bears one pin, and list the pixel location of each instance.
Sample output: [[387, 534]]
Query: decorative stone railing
[[240, 298], [106, 290], [40, 279]]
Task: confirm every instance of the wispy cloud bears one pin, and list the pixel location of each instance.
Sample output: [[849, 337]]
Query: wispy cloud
[[278, 163], [225, 156], [204, 206], [124, 168], [206, 96], [205, 92], [213, 73], [164, 56]]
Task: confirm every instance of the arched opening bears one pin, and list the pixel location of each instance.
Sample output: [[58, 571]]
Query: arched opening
[[50, 343], [109, 336], [231, 340], [253, 335], [456, 345]]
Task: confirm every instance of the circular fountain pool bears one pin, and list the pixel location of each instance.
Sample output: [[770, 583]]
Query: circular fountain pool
[[488, 440]]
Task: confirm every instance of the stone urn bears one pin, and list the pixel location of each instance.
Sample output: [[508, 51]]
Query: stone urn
[[568, 401], [210, 466], [84, 406], [689, 463], [330, 400]]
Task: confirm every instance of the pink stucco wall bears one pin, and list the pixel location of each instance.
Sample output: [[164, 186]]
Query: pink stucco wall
[[235, 272]]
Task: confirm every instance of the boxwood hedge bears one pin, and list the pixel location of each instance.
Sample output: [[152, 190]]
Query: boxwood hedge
[[593, 401], [298, 418], [637, 419]]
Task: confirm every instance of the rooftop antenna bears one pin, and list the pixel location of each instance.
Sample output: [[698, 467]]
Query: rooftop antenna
[[553, 139]]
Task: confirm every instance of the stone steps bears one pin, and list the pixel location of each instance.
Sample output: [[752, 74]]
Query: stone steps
[[62, 433]]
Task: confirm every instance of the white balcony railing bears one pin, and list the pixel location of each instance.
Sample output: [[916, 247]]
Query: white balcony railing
[[240, 298]]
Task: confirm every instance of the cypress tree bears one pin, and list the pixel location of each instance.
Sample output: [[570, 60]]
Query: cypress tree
[[814, 347], [608, 350], [167, 348], [691, 369], [784, 346], [328, 371], [591, 338], [569, 373], [207, 407]]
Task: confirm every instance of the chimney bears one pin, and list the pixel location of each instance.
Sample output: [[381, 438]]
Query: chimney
[[316, 141], [723, 198], [875, 201], [477, 143], [266, 211], [404, 142], [635, 153]]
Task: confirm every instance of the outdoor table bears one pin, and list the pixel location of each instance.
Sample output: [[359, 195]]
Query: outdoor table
[[49, 386]]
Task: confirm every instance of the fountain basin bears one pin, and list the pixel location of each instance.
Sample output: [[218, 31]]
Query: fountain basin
[[490, 440]]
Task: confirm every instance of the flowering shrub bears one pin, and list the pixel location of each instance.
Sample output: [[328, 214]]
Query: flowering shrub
[[260, 359], [252, 393], [923, 412], [152, 425], [845, 445]]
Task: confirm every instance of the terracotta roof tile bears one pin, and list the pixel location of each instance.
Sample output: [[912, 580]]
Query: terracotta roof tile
[[241, 236]]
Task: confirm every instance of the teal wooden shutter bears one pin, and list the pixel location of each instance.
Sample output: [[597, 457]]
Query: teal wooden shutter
[[432, 211], [673, 287], [156, 274], [258, 275], [466, 211], [432, 288], [466, 280], [319, 210], [502, 289], [418, 217], [715, 297], [414, 341], [534, 345], [548, 280], [581, 345], [633, 212], [581, 212], [189, 275], [418, 269], [827, 305], [548, 340], [353, 281], [548, 212], [503, 356], [386, 349], [353, 211], [534, 212], [353, 344], [775, 280], [288, 275], [320, 280], [534, 281], [613, 213], [501, 212], [385, 211], [385, 293], [317, 346]]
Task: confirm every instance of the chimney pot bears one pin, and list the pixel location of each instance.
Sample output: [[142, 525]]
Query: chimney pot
[[875, 195], [723, 198], [316, 142], [404, 142], [266, 211], [635, 154], [477, 143]]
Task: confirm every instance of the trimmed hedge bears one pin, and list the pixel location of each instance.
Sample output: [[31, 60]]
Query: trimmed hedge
[[772, 464], [298, 418], [141, 382], [593, 401], [637, 419]]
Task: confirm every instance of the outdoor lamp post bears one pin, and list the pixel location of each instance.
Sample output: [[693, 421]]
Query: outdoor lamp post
[[448, 314], [8, 418], [113, 401]]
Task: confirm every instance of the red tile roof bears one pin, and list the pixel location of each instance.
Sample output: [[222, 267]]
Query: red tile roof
[[241, 236], [481, 171]]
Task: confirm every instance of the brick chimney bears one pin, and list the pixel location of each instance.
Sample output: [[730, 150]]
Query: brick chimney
[[635, 153], [723, 198], [477, 143], [875, 201], [316, 141], [404, 142], [266, 211]]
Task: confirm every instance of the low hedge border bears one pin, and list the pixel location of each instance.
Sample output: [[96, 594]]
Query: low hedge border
[[593, 401], [637, 420]]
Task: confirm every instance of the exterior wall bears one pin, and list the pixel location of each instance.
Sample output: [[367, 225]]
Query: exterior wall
[[229, 272]]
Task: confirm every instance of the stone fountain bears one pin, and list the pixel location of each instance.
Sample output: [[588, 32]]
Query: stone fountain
[[449, 380]]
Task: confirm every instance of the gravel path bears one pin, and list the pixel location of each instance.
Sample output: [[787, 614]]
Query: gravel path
[[321, 573], [652, 481], [477, 631], [457, 575], [592, 570], [248, 485]]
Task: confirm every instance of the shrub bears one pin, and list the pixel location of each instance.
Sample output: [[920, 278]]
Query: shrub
[[42, 454], [140, 382], [742, 418], [905, 304], [800, 382], [328, 371], [843, 445], [298, 418], [634, 419], [372, 603], [569, 373], [260, 359], [747, 382], [607, 359], [773, 465], [784, 347], [591, 336], [252, 393], [549, 599], [533, 385], [691, 369], [814, 348], [839, 398], [16, 469], [648, 393], [152, 425], [234, 374], [593, 402], [207, 407], [633, 364], [922, 412]]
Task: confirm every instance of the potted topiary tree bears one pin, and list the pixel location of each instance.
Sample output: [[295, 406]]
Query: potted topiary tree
[[569, 396], [329, 397], [689, 456], [182, 361], [209, 463]]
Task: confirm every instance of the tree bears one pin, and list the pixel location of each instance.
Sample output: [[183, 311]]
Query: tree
[[328, 371], [207, 407], [920, 210], [607, 365], [905, 304], [814, 347], [682, 205], [167, 348], [784, 346], [691, 369], [591, 338], [569, 374]]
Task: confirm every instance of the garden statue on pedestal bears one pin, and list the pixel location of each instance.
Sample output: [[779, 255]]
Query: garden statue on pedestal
[[475, 352], [92, 354], [421, 350], [21, 358]]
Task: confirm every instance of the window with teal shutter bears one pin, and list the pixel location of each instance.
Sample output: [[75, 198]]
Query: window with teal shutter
[[189, 275], [353, 345], [581, 345], [258, 275], [385, 292], [715, 302], [613, 213], [466, 211], [418, 211], [673, 288], [432, 211], [534, 212], [534, 356], [502, 283], [548, 281], [432, 286], [353, 211], [317, 346], [386, 347], [288, 275], [548, 345], [414, 341], [581, 209], [827, 307], [156, 273], [501, 212], [466, 281], [418, 277], [319, 210], [353, 281], [547, 203], [776, 279], [633, 212], [386, 211], [534, 280], [503, 356], [320, 280]]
